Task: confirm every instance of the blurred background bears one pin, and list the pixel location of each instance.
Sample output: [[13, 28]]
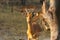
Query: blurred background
[[13, 24]]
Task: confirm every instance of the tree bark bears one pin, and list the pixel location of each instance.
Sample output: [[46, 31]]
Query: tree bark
[[50, 17], [54, 26], [57, 2]]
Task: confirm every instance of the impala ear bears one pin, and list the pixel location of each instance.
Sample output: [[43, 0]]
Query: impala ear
[[26, 10]]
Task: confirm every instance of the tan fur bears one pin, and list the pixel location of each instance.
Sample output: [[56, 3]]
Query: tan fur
[[33, 28], [46, 16]]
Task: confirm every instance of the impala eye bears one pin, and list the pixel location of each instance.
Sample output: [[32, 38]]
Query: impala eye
[[33, 14]]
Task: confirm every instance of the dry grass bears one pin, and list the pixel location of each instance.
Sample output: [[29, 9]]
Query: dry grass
[[13, 26]]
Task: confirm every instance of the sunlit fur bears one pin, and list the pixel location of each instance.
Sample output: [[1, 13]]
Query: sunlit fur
[[32, 35]]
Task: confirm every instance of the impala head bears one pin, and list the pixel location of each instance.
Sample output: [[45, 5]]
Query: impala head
[[32, 12]]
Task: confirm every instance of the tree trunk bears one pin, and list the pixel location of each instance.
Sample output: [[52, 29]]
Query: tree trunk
[[58, 16], [54, 26], [50, 17]]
